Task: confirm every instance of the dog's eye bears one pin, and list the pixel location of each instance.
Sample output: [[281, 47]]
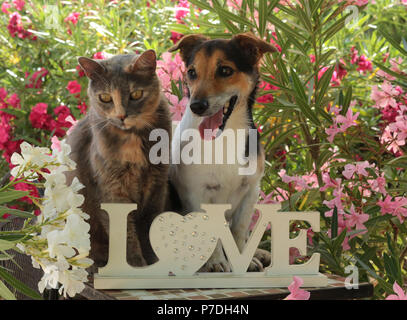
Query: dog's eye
[[192, 73], [105, 97], [225, 71], [135, 95]]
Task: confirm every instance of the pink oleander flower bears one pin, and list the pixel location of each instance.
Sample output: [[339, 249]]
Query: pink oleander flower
[[330, 183], [5, 6], [356, 220], [268, 98], [400, 128], [82, 107], [379, 184], [73, 17], [173, 66], [312, 58], [14, 101], [182, 10], [300, 183], [295, 292], [16, 28], [399, 293], [175, 37], [73, 122], [73, 87], [19, 4], [36, 79], [354, 55], [39, 117], [56, 144], [359, 168], [385, 96], [348, 121], [177, 107], [364, 64], [395, 208], [99, 55]]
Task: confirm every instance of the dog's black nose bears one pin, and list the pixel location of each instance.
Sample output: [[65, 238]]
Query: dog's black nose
[[199, 106]]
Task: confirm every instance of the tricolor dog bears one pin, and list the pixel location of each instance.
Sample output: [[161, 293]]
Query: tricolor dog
[[222, 78]]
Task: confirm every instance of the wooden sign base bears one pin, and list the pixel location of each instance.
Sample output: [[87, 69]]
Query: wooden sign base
[[207, 280]]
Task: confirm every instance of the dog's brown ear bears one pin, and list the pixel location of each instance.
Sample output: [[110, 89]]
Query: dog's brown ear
[[187, 44], [252, 47]]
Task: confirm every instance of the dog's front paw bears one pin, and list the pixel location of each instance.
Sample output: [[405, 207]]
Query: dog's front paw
[[263, 256], [261, 259], [216, 265]]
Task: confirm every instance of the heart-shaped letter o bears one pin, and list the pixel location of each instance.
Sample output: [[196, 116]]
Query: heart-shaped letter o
[[184, 242]]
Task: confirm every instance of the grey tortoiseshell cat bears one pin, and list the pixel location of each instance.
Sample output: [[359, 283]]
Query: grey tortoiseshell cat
[[111, 146]]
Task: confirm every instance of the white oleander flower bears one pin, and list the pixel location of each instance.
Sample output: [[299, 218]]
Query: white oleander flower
[[52, 274], [30, 156], [72, 282], [62, 155], [76, 232], [63, 197], [62, 243], [57, 246]]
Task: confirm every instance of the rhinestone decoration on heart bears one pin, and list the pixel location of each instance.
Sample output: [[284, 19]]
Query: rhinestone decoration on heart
[[185, 242]]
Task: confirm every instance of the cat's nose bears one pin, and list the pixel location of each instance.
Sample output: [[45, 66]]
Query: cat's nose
[[199, 106], [122, 117]]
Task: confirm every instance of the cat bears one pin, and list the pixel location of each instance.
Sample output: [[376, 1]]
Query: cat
[[111, 148]]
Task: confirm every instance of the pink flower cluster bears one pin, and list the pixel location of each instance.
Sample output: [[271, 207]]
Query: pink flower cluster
[[345, 122], [364, 64], [16, 28], [391, 101], [7, 144], [182, 9], [171, 69], [40, 118], [36, 79], [395, 207]]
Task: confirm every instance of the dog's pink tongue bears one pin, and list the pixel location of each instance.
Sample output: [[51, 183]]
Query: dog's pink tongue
[[212, 123]]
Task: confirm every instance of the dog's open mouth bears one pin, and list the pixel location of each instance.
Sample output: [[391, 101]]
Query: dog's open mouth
[[216, 123]]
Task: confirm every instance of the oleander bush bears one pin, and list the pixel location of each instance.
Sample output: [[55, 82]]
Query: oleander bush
[[331, 107]]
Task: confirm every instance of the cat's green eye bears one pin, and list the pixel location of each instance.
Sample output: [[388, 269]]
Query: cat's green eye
[[135, 95], [105, 97]]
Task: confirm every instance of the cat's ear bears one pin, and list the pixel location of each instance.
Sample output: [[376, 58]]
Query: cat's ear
[[92, 68], [146, 62], [187, 44], [252, 47]]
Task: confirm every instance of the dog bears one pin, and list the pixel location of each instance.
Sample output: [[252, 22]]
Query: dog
[[222, 78]]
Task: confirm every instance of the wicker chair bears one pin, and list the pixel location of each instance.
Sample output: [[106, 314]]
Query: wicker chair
[[26, 273]]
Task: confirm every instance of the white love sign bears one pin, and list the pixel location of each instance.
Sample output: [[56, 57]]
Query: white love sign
[[183, 244]]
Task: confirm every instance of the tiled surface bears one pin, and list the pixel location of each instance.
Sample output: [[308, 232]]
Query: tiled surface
[[208, 294]]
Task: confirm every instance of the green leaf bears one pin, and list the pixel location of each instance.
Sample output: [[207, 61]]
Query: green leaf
[[262, 16], [334, 226], [6, 245], [392, 40], [7, 196], [346, 101], [5, 292], [18, 285], [323, 85], [15, 212]]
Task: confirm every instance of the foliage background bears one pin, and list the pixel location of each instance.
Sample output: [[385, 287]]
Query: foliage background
[[323, 61]]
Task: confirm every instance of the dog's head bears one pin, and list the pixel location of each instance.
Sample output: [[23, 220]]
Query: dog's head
[[220, 73]]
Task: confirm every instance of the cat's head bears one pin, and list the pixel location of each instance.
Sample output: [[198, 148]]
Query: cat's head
[[124, 90]]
